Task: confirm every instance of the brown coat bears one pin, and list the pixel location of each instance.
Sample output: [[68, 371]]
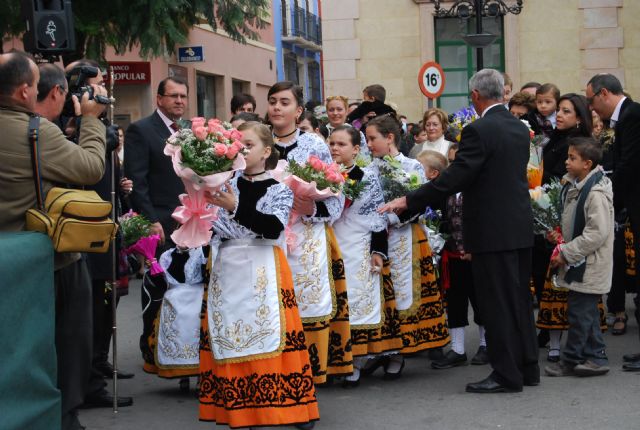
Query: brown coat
[[61, 162]]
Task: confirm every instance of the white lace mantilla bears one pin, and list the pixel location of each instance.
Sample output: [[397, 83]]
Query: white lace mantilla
[[179, 326]]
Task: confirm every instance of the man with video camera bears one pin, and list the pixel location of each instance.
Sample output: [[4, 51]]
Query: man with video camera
[[61, 161]]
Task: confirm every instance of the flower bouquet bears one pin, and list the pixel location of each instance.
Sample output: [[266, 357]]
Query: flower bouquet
[[137, 238], [204, 157], [394, 180], [314, 180], [534, 167], [432, 220], [460, 120], [351, 189]]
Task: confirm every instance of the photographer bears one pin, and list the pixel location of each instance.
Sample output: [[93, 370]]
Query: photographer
[[61, 161]]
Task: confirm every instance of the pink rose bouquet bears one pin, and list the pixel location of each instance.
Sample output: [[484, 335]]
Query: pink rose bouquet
[[314, 180], [204, 157]]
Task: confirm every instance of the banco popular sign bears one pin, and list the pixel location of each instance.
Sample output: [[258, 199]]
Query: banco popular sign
[[130, 72]]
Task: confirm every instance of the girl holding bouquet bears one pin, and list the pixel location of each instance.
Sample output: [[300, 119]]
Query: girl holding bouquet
[[254, 365], [360, 229], [314, 255], [417, 294]]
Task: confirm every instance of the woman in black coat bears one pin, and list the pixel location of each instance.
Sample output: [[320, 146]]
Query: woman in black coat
[[572, 119]]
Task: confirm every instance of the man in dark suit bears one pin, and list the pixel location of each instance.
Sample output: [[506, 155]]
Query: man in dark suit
[[605, 96], [157, 186], [490, 169]]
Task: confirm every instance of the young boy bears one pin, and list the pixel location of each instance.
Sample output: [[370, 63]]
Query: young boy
[[433, 162], [585, 261], [543, 118]]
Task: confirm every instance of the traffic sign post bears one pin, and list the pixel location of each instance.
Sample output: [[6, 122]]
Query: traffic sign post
[[431, 80]]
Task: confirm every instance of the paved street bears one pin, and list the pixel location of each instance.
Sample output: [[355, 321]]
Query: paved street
[[422, 399]]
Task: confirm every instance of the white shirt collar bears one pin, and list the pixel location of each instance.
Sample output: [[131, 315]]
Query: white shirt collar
[[552, 119], [484, 112], [166, 120], [616, 113]]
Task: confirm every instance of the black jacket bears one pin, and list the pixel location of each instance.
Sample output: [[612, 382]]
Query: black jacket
[[626, 159], [491, 169], [155, 183]]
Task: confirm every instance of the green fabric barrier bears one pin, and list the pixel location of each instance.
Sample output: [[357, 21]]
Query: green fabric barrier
[[29, 398]]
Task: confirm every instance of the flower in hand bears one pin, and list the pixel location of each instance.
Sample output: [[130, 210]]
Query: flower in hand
[[557, 261], [225, 199], [303, 205]]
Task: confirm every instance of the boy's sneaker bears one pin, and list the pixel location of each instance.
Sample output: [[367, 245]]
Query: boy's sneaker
[[559, 369], [589, 368]]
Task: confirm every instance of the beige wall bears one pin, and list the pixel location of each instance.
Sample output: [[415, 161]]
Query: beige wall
[[560, 41]]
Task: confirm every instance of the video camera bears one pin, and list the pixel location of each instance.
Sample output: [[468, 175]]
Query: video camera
[[78, 85]]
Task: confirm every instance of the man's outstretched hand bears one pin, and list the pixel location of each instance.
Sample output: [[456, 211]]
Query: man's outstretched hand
[[396, 206]]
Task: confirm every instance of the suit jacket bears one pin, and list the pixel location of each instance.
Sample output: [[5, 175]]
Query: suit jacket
[[155, 183], [626, 159], [491, 169]]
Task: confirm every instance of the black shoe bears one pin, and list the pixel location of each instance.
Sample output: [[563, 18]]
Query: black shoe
[[481, 357], [350, 384], [106, 369], [543, 338], [631, 366], [373, 364], [451, 359], [183, 383], [306, 426], [631, 357], [435, 354], [388, 376], [553, 358], [490, 385], [105, 400]]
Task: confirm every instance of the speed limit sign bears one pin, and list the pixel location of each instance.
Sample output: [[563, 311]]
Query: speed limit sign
[[431, 79]]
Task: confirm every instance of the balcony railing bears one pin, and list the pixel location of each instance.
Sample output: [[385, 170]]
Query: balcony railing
[[304, 27]]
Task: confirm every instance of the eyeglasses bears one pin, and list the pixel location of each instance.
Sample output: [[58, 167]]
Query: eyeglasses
[[590, 99], [175, 96]]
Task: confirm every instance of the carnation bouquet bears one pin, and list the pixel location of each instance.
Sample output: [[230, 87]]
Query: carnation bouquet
[[204, 157], [547, 207], [394, 180], [138, 239]]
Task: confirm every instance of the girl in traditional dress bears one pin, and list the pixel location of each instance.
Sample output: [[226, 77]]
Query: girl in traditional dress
[[417, 294], [314, 255], [363, 232], [254, 365]]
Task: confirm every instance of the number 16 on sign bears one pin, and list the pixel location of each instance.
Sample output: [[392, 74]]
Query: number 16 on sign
[[431, 80]]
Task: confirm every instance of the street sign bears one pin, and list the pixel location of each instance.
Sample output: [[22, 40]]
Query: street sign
[[431, 79], [190, 54]]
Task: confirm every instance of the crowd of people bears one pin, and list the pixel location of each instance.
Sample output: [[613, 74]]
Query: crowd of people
[[295, 292]]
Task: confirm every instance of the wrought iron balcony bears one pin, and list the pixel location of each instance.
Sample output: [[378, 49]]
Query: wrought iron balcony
[[302, 28]]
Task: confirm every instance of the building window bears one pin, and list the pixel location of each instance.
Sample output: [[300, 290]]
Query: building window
[[206, 92], [239, 87], [314, 81], [458, 60], [285, 10], [291, 68]]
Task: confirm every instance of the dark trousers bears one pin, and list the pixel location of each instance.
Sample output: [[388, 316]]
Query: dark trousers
[[504, 299], [74, 334], [584, 338], [620, 280], [461, 291], [541, 255]]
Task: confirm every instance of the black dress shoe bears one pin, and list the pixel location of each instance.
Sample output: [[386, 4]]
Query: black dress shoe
[[373, 364], [451, 359], [490, 385], [631, 366], [106, 369], [631, 357], [391, 376], [105, 400], [481, 357]]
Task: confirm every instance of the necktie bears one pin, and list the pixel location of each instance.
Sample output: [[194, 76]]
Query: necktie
[[174, 126]]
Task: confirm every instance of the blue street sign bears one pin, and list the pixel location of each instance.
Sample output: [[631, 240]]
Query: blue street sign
[[190, 54]]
